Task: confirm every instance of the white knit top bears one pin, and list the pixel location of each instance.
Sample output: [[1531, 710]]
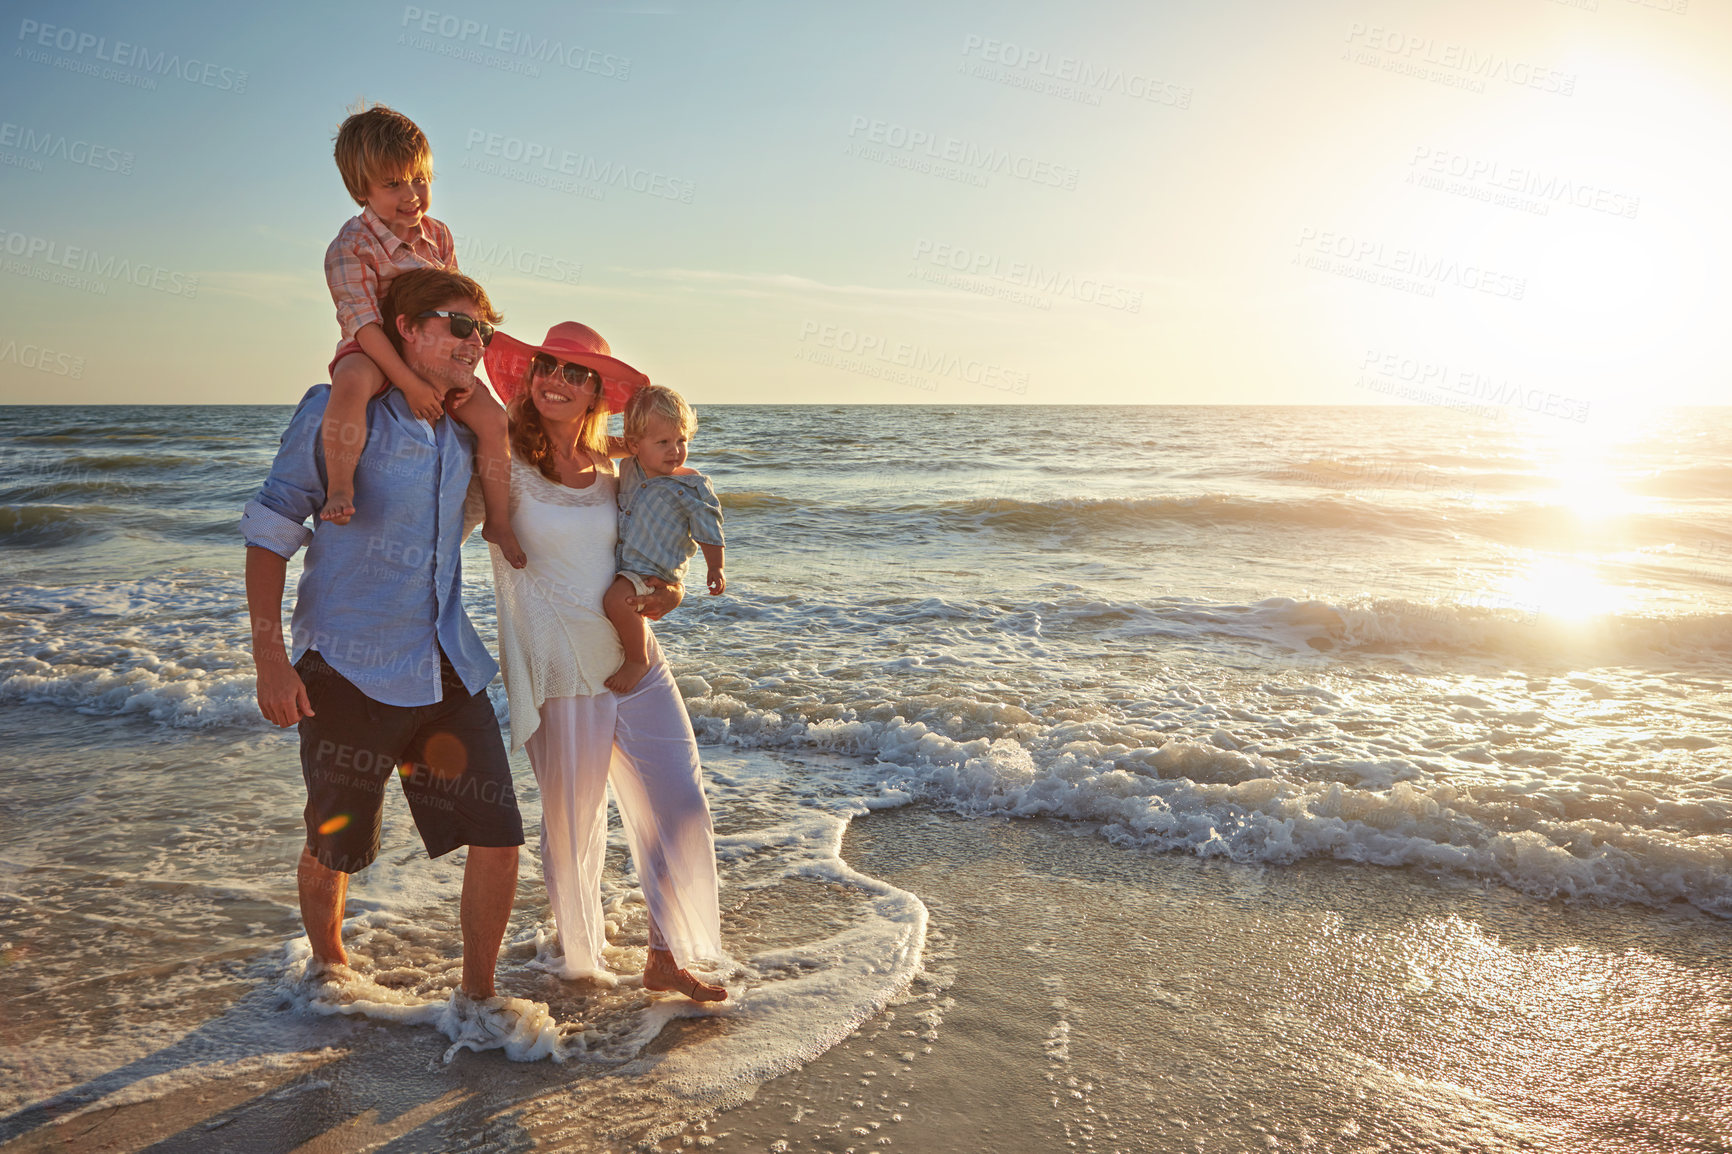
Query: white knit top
[[554, 640]]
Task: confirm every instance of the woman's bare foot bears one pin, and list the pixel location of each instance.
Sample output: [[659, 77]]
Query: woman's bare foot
[[339, 506], [626, 677], [507, 542], [660, 973]]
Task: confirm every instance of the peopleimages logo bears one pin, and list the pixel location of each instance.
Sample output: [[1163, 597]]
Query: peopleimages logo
[[1402, 51], [1372, 260], [1071, 76], [514, 42], [969, 157], [562, 162], [1020, 282], [41, 144], [1384, 369], [43, 360], [1518, 180], [87, 46], [93, 264], [919, 359]]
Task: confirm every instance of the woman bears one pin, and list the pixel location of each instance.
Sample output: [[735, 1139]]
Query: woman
[[557, 648]]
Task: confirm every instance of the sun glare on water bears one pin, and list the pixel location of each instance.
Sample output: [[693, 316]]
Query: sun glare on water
[[1579, 478]]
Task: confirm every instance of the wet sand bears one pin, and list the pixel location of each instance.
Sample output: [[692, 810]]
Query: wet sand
[[1076, 997]]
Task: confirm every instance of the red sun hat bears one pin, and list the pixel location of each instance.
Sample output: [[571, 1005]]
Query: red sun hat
[[508, 362]]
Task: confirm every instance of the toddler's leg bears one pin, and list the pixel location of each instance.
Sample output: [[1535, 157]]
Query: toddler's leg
[[486, 418], [344, 432], [633, 636]]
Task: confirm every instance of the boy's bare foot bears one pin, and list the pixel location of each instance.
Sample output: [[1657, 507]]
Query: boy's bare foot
[[339, 506], [660, 973], [626, 677], [507, 542]]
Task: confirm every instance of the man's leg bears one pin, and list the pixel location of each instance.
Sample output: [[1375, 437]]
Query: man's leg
[[489, 885], [457, 781], [347, 756], [323, 891]]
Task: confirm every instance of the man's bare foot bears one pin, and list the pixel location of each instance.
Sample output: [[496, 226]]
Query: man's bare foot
[[339, 506], [660, 973], [329, 976], [626, 677], [507, 542]]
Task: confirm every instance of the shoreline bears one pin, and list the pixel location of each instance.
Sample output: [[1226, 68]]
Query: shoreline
[[1077, 996]]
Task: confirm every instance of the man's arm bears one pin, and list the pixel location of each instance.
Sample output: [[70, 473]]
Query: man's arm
[[274, 526], [282, 696]]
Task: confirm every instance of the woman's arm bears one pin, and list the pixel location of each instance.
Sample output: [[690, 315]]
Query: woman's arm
[[616, 447], [659, 604]]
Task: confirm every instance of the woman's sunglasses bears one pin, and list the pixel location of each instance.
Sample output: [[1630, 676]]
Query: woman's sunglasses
[[461, 325], [577, 376]]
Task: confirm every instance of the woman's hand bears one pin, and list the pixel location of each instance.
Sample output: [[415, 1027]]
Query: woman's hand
[[659, 604]]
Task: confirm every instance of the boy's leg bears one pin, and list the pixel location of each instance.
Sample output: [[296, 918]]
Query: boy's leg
[[344, 432], [486, 419], [633, 635]]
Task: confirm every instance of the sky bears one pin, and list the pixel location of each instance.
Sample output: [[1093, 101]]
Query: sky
[[1518, 202]]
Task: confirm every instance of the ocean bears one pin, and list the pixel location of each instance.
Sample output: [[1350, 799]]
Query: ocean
[[1097, 778]]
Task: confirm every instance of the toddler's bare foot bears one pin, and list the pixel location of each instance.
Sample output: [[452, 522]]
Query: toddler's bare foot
[[503, 537], [626, 677], [660, 973], [339, 506]]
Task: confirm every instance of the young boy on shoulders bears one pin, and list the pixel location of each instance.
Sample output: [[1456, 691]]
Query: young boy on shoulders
[[387, 166]]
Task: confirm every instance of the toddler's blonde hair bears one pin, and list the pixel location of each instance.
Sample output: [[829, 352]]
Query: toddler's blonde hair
[[654, 401]]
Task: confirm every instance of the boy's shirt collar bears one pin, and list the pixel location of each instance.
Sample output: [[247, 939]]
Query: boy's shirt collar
[[389, 239]]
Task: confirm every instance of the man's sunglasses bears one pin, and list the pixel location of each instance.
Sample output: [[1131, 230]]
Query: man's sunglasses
[[577, 376], [461, 325]]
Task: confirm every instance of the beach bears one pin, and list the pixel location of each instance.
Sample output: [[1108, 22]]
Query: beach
[[1136, 778]]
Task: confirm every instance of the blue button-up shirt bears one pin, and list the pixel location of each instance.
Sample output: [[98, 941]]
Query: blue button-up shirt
[[380, 596]]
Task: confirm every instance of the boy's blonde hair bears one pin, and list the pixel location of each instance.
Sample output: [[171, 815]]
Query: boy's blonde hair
[[654, 401], [380, 143]]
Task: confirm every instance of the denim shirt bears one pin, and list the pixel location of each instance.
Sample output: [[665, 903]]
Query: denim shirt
[[381, 596]]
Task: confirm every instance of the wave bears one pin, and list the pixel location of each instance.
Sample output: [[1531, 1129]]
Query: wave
[[1692, 482], [49, 524], [752, 499], [1414, 515], [1200, 798], [48, 489], [1486, 626], [1595, 839], [1009, 514], [112, 462]]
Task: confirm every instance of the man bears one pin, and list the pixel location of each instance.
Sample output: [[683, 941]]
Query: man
[[388, 675]]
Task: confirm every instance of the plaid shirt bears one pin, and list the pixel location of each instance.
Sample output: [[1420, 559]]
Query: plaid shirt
[[366, 257], [661, 519]]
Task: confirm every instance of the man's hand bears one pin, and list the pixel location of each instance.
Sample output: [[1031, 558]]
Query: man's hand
[[282, 695], [659, 604], [424, 400], [717, 583]]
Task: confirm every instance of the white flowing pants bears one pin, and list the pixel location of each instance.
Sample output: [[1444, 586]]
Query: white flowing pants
[[643, 743]]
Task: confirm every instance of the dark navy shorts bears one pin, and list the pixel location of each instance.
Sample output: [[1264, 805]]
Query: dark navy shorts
[[448, 756]]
